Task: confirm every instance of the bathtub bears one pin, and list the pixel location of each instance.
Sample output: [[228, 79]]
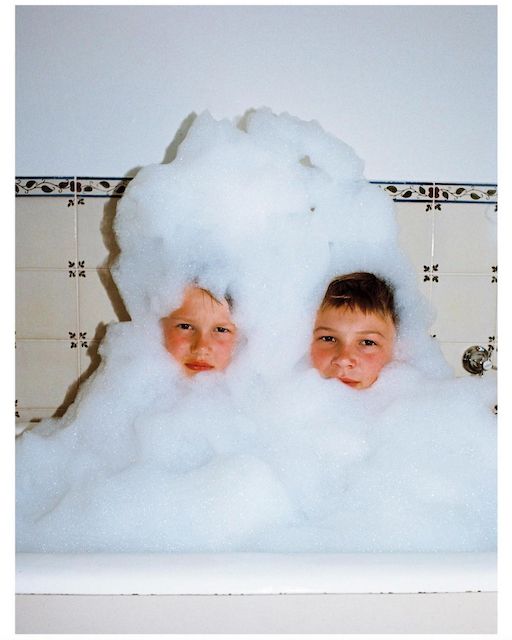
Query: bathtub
[[256, 593]]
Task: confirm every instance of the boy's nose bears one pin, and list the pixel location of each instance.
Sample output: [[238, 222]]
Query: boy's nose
[[201, 343], [344, 358]]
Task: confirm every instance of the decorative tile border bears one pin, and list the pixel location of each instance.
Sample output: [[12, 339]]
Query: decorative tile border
[[439, 192], [87, 187], [71, 186], [407, 191], [447, 192], [61, 186], [102, 187]]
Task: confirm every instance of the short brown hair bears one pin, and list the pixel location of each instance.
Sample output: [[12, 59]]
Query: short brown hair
[[362, 291], [227, 297]]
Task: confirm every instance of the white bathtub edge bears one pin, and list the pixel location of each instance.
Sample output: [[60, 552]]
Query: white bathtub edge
[[254, 573]]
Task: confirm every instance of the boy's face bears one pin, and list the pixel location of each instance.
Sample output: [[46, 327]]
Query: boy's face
[[351, 345], [200, 334]]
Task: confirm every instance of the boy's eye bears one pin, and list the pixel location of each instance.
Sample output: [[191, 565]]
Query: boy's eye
[[368, 343], [222, 330], [327, 338], [184, 325]]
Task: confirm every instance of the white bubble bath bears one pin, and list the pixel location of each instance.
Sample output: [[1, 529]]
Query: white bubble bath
[[266, 456]]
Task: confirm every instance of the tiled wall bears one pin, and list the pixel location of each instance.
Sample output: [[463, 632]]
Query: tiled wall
[[65, 295]]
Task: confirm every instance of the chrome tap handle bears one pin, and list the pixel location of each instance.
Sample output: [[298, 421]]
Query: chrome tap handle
[[477, 360]]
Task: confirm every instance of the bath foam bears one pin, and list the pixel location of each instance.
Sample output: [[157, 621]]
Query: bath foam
[[267, 455]]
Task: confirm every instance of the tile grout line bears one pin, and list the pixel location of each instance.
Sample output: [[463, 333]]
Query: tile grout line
[[432, 248], [77, 285], [107, 269]]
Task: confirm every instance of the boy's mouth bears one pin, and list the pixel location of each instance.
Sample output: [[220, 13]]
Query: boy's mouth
[[349, 381], [199, 365]]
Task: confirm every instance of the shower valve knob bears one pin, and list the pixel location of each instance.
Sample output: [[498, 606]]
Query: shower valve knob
[[476, 360]]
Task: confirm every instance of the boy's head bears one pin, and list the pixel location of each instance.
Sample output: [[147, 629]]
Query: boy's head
[[355, 330], [200, 334]]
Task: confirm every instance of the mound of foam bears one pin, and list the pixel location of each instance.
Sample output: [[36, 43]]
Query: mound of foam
[[266, 455]]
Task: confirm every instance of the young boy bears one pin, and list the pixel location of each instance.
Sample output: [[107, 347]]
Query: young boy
[[200, 334], [354, 332]]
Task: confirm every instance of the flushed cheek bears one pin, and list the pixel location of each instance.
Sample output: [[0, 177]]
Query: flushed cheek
[[372, 368], [178, 347], [318, 359], [222, 355], [322, 362]]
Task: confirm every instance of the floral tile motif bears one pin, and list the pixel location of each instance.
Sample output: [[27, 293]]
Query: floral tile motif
[[102, 187], [74, 339], [426, 272], [76, 268], [63, 186], [486, 193], [411, 191]]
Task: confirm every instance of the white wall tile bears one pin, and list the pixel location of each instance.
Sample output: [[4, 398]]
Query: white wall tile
[[99, 302], [425, 288], [415, 232], [465, 238], [46, 371], [466, 308], [45, 304], [453, 352], [45, 232], [96, 242]]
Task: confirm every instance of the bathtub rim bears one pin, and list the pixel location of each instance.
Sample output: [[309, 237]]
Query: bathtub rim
[[254, 573]]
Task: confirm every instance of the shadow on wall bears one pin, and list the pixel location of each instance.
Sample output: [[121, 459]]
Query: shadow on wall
[[181, 133], [95, 357]]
